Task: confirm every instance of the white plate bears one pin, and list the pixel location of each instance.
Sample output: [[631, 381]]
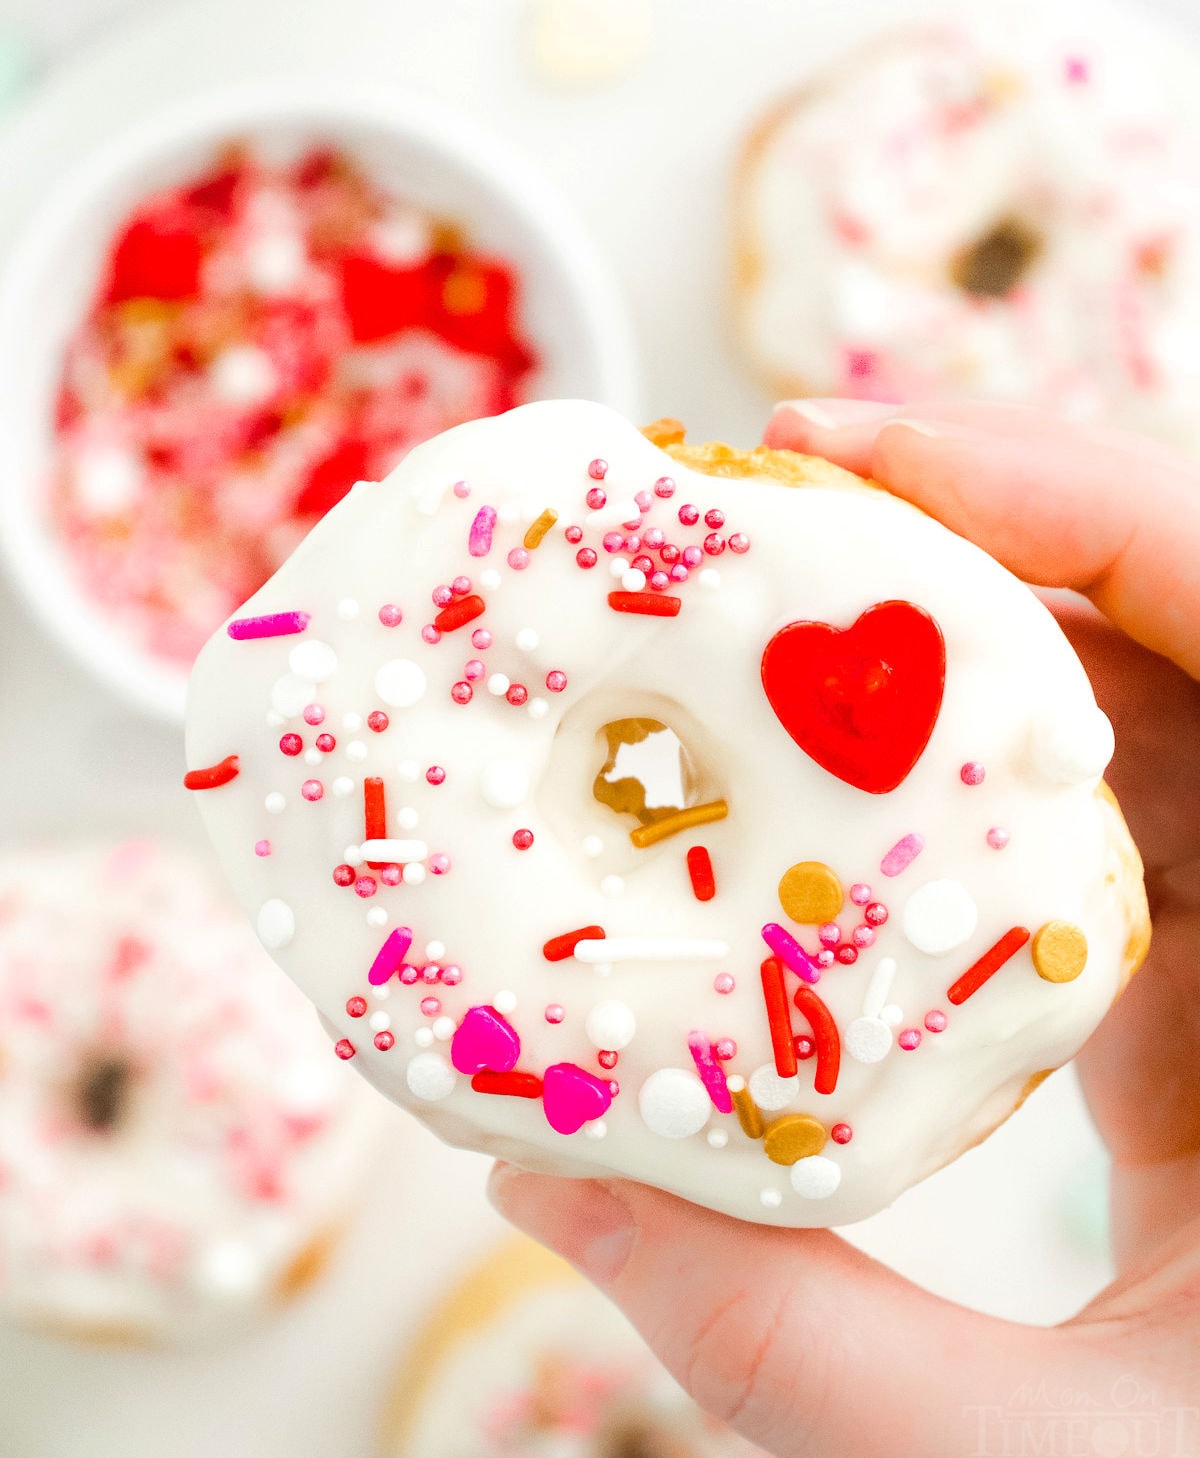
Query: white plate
[[646, 161]]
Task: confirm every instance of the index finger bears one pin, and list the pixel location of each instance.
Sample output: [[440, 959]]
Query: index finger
[[1108, 514]]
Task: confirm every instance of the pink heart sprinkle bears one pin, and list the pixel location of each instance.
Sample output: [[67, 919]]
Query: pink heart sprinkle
[[572, 1097], [484, 1040]]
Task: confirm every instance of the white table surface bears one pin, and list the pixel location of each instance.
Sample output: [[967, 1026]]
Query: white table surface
[[996, 1230]]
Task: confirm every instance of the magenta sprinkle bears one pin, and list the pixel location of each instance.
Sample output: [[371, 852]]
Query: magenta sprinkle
[[725, 1049], [390, 615], [262, 847], [479, 539], [679, 573], [935, 1021], [790, 952], [863, 935], [724, 983], [860, 893], [439, 864], [473, 670], [612, 542], [997, 838], [431, 1006], [270, 625], [461, 489], [460, 586], [555, 1012], [688, 515], [909, 1039], [518, 559], [653, 538], [450, 976], [409, 975], [431, 634], [972, 773], [825, 957], [659, 581], [430, 973], [711, 1074], [556, 680], [390, 875], [390, 957], [739, 542], [596, 498], [442, 596], [435, 774], [366, 886], [481, 638], [312, 789], [643, 501], [598, 469], [829, 934], [876, 914], [314, 714], [692, 556], [664, 488], [902, 854]]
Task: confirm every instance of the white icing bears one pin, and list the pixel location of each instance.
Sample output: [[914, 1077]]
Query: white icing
[[939, 916], [291, 693], [504, 783]]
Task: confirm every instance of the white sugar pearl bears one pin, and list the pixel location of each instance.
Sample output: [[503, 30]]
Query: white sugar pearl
[[489, 578], [276, 924], [710, 578], [443, 1029], [867, 1040], [592, 846], [505, 1002], [435, 951], [409, 770], [633, 580], [377, 916], [504, 784], [379, 1022], [313, 756], [275, 803], [356, 750], [313, 660], [423, 1037], [612, 886], [815, 1177], [400, 682], [717, 1138], [1071, 745], [619, 566], [498, 684], [611, 1025], [353, 855], [769, 1091], [275, 720], [939, 916], [352, 722], [770, 1199], [430, 1077], [413, 873], [407, 818], [596, 1129], [538, 708], [674, 1103], [342, 786], [528, 639], [347, 609]]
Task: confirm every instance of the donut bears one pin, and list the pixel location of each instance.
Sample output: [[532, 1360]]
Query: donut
[[523, 1359], [1007, 213], [178, 1152], [706, 817]]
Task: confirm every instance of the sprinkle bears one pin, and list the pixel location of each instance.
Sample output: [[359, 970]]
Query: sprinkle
[[611, 1025], [356, 1007], [988, 965], [910, 1039], [518, 559], [794, 1137], [555, 1012], [522, 839], [385, 1041], [816, 1178], [504, 784], [464, 610], [537, 531], [769, 1091], [749, 1115], [513, 1083], [479, 539], [674, 1103], [779, 1018], [810, 893], [1059, 951], [841, 1133], [788, 950], [997, 837], [972, 773], [396, 852], [860, 893], [829, 1047], [940, 916], [559, 948], [878, 988], [270, 625], [902, 854], [400, 682], [312, 789], [724, 983], [712, 1076], [498, 684], [390, 615], [276, 924], [429, 1076], [344, 1048], [390, 957], [700, 870], [213, 776], [650, 949], [647, 604], [936, 1021], [374, 812], [646, 835], [262, 847]]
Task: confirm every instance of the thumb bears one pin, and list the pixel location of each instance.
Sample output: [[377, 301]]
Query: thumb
[[793, 1337]]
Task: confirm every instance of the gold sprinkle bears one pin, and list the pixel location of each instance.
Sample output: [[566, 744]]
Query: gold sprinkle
[[794, 1137], [810, 893], [1059, 951], [670, 825], [539, 528], [665, 432], [749, 1115]]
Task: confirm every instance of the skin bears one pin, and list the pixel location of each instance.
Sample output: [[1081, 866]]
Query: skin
[[801, 1342]]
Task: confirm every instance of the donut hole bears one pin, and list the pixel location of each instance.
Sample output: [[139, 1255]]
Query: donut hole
[[647, 771], [103, 1093], [992, 266]]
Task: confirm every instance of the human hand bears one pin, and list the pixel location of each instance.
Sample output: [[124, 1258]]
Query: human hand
[[797, 1339]]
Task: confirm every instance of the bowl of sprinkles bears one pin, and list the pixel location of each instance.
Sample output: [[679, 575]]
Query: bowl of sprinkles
[[236, 312]]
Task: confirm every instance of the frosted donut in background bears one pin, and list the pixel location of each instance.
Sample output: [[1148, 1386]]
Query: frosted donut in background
[[178, 1153], [1005, 208], [524, 1360], [704, 817]]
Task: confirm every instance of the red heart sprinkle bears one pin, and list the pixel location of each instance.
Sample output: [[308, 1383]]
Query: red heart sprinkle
[[861, 701]]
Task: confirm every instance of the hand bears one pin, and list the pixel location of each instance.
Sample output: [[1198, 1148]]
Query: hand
[[800, 1341]]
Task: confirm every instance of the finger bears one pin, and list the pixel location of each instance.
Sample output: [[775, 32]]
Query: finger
[[1060, 505], [798, 1340]]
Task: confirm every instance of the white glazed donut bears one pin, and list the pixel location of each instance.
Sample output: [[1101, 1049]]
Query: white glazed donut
[[177, 1150], [1010, 213], [523, 1359], [538, 820]]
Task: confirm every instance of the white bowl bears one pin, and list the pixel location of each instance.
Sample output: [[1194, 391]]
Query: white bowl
[[571, 308]]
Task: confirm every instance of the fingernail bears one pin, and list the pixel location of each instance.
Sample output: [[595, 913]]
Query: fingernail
[[582, 1220], [923, 427], [832, 414]]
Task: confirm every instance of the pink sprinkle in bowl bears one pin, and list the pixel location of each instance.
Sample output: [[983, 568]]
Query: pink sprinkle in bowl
[[570, 306]]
